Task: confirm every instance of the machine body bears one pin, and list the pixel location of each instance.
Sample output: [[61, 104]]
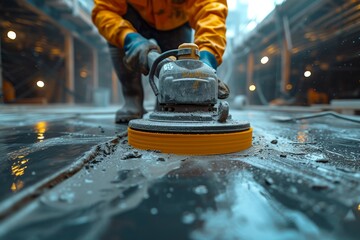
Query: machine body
[[188, 119]]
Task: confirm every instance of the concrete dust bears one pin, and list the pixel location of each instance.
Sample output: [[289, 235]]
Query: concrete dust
[[253, 214]]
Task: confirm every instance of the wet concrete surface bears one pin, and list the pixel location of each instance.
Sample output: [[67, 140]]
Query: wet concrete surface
[[299, 180], [38, 143]]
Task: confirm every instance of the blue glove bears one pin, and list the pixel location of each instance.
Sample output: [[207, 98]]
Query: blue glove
[[209, 59], [136, 49]]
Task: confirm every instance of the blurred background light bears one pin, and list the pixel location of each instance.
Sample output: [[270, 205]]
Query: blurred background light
[[307, 74], [264, 59], [83, 73], [11, 35], [289, 86], [40, 84]]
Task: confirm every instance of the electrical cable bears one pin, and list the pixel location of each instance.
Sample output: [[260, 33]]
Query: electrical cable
[[315, 115]]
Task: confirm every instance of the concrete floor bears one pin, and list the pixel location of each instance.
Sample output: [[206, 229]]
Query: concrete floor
[[68, 173]]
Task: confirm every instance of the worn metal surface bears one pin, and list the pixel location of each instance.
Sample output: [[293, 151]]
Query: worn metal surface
[[191, 120], [300, 180], [185, 81]]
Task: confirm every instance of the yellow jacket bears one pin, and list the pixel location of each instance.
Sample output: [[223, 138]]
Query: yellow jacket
[[206, 17]]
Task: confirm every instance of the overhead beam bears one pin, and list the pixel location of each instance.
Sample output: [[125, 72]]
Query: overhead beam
[[54, 16]]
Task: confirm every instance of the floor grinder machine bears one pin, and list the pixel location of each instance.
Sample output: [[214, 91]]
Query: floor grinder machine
[[188, 119]]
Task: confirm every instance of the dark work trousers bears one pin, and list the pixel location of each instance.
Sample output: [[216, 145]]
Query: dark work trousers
[[167, 40]]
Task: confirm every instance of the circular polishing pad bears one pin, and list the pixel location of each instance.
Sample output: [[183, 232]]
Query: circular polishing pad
[[191, 143]]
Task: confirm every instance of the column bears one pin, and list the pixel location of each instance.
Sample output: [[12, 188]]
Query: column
[[69, 68], [249, 74], [285, 56], [95, 68], [115, 88], [1, 77]]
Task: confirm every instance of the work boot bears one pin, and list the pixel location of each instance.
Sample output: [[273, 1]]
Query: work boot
[[133, 93], [223, 90], [131, 86], [132, 109]]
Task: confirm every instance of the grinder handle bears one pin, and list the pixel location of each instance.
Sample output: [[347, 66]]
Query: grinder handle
[[154, 58]]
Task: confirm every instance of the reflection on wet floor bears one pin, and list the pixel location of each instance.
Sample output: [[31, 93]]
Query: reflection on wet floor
[[17, 170], [34, 149], [40, 129], [302, 135], [16, 186], [20, 164]]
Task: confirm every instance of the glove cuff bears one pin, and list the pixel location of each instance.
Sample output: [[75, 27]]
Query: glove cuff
[[209, 59], [132, 38]]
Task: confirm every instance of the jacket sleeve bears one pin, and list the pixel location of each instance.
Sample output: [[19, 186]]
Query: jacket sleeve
[[106, 15], [207, 18]]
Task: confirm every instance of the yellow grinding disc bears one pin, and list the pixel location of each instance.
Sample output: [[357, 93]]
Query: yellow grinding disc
[[191, 144]]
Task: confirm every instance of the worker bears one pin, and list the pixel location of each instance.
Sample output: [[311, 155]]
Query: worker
[[129, 26]]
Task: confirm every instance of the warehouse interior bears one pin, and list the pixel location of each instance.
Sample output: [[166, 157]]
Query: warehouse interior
[[294, 53], [68, 171]]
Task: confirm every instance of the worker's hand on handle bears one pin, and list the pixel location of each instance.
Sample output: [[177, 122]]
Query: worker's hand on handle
[[136, 49], [209, 59], [152, 56], [223, 90]]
